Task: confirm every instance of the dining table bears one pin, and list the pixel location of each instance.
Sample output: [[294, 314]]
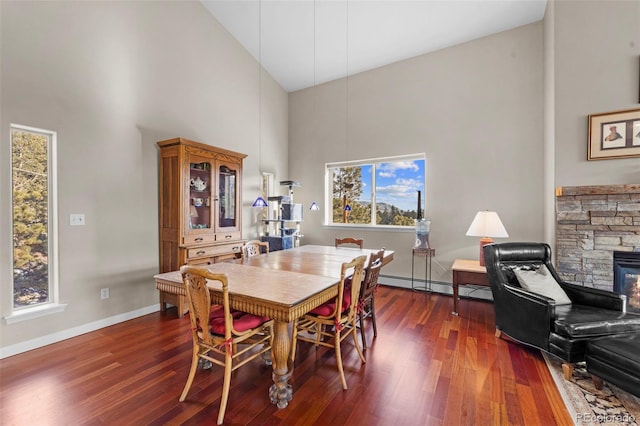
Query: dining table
[[282, 285]]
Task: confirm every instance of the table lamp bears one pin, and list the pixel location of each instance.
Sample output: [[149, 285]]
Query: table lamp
[[487, 225]]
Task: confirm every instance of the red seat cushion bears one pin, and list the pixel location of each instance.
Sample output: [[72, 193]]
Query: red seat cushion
[[217, 311], [327, 308], [241, 322], [347, 285]]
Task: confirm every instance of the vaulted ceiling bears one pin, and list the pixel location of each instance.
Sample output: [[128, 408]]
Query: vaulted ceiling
[[305, 42]]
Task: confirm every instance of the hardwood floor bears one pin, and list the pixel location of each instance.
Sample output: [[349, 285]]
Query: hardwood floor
[[425, 367]]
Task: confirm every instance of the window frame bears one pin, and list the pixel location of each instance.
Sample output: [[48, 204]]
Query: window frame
[[328, 189], [21, 313]]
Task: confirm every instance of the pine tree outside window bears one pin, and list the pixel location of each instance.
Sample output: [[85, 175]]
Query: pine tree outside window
[[33, 208]]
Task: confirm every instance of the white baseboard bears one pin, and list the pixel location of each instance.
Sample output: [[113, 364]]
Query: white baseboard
[[75, 331], [475, 292]]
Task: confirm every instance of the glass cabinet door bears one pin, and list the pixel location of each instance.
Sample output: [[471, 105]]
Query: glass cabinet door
[[200, 195], [227, 196]]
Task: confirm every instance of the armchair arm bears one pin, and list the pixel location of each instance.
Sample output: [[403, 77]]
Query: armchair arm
[[594, 297], [524, 316]]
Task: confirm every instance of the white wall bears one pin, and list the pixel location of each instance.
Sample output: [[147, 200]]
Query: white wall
[[475, 109], [112, 78], [597, 55]]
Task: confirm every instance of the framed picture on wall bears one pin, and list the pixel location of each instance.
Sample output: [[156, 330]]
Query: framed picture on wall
[[614, 135]]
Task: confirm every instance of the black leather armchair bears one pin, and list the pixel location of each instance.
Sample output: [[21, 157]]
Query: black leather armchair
[[536, 320]]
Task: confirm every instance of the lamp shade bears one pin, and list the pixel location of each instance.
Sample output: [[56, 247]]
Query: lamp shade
[[487, 224], [259, 202]]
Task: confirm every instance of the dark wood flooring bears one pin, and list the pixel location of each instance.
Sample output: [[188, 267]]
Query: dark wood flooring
[[426, 367]]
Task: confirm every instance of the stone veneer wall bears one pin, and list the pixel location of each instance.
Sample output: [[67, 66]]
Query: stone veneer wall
[[591, 223]]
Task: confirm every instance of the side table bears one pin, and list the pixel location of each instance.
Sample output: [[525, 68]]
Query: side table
[[467, 272], [427, 253]]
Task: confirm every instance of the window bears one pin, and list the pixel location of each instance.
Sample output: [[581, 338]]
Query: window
[[378, 192], [33, 217]]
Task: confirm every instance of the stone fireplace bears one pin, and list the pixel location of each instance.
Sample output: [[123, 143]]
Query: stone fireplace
[[593, 222]]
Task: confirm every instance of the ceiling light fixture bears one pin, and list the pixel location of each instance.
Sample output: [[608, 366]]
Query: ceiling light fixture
[[314, 206], [347, 80], [259, 202]]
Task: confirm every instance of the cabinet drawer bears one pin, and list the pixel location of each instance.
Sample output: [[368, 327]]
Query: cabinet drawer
[[227, 236], [227, 257], [203, 261], [198, 239], [208, 251], [206, 261]]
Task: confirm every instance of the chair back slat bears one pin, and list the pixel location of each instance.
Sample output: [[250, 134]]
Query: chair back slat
[[199, 298], [372, 274], [254, 248], [349, 240], [366, 300], [357, 265]]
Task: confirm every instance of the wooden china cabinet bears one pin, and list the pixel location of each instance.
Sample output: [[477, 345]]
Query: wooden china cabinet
[[200, 204]]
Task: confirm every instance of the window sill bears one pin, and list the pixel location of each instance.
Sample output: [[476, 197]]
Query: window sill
[[34, 312], [408, 229]]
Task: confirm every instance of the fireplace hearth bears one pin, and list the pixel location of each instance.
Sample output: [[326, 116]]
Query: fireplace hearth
[[626, 277]]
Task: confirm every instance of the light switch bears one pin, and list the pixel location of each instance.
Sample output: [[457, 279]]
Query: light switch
[[76, 219]]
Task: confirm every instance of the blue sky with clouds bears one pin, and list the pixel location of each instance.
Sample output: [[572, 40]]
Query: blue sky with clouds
[[397, 183]]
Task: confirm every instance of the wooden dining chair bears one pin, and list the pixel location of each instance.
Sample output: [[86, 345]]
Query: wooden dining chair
[[254, 248], [349, 241], [332, 322], [216, 340], [366, 301]]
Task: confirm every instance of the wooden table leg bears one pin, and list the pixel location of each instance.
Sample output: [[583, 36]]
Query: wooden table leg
[[455, 293], [467, 272], [177, 300], [163, 304], [281, 392]]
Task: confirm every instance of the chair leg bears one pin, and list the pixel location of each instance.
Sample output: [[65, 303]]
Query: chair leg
[[266, 356], [373, 317], [362, 334], [192, 374], [567, 370], [228, 365], [319, 331], [355, 341], [339, 360]]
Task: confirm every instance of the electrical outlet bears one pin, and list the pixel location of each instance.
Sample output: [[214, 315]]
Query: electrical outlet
[[76, 219], [104, 293]]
